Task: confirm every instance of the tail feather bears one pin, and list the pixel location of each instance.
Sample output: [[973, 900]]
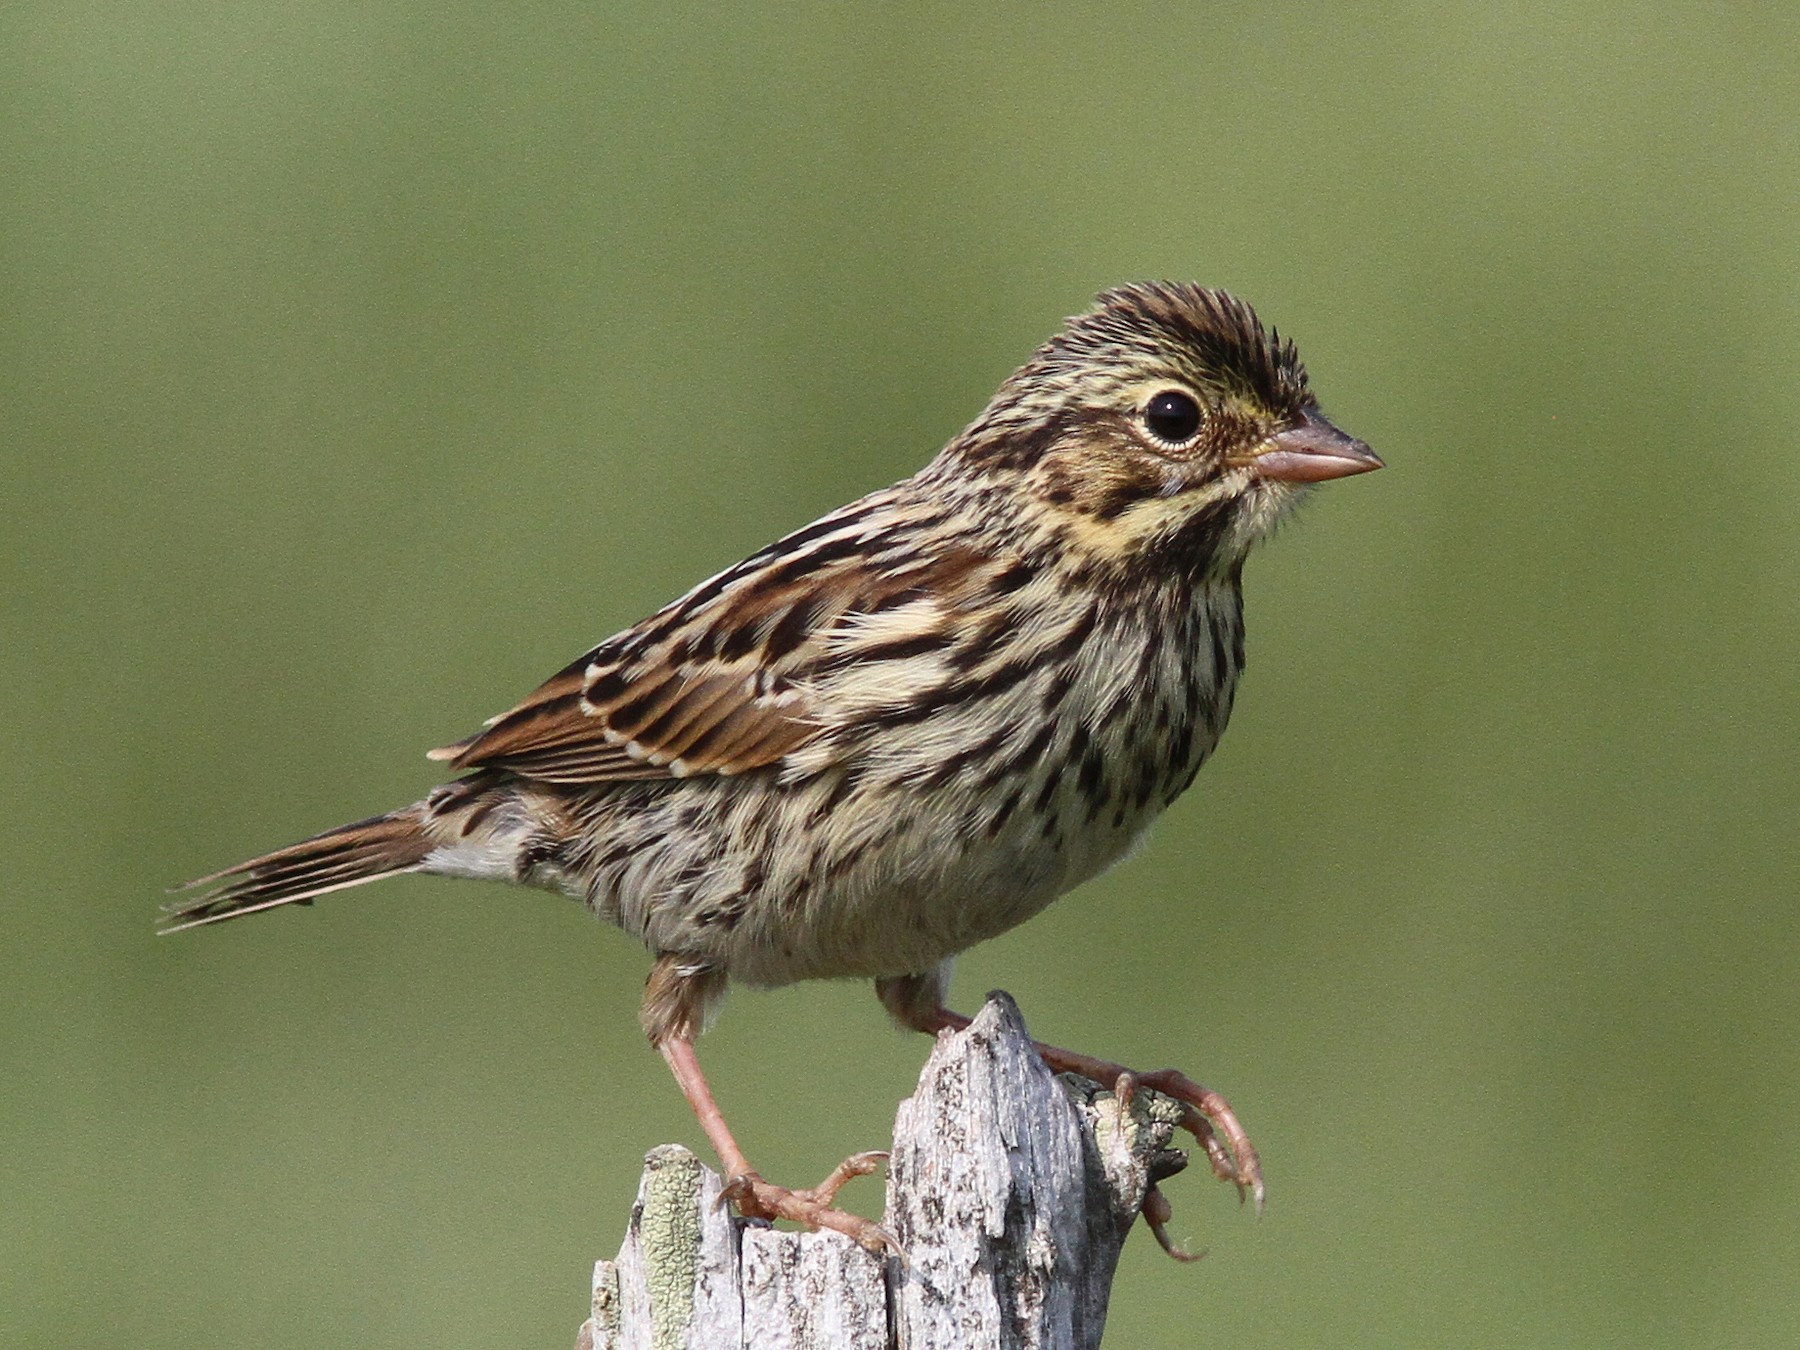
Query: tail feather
[[382, 846]]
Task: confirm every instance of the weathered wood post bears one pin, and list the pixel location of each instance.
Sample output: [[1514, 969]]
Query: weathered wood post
[[1010, 1190]]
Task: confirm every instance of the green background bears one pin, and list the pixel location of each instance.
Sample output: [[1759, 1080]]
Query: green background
[[364, 363]]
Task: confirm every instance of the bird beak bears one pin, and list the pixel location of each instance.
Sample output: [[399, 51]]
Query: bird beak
[[1310, 453]]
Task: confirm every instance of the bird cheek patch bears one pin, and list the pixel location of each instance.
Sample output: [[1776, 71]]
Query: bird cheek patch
[[1100, 482]]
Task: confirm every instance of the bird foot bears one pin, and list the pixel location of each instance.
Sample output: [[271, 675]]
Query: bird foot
[[814, 1208], [1204, 1114]]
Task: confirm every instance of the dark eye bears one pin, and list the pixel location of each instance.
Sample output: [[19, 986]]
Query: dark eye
[[1172, 417]]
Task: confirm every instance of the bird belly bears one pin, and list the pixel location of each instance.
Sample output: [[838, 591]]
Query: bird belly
[[924, 894], [759, 881], [906, 851]]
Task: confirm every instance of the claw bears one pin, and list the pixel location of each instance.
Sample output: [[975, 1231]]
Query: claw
[[1204, 1114], [740, 1191], [758, 1199], [1157, 1213], [1125, 1088], [1206, 1117]]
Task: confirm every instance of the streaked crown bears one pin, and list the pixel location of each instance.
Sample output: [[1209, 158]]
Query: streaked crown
[[1167, 421]]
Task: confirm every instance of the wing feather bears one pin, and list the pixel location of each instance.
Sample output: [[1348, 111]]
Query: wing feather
[[722, 680]]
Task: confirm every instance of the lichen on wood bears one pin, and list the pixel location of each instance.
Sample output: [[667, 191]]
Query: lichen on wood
[[1010, 1192]]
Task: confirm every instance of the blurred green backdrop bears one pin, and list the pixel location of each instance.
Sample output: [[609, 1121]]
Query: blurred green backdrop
[[364, 363]]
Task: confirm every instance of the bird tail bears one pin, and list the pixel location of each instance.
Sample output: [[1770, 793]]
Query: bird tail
[[382, 846]]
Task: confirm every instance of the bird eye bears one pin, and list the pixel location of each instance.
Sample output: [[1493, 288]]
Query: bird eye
[[1172, 417]]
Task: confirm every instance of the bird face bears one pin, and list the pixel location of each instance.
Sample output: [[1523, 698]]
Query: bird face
[[1165, 425]]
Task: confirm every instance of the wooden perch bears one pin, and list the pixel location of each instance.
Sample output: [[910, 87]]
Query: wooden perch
[[1010, 1190]]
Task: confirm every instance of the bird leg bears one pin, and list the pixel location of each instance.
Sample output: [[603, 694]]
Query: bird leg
[[744, 1186], [913, 1000], [674, 1005]]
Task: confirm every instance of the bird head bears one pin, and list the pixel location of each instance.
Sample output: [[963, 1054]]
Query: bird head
[[1166, 424]]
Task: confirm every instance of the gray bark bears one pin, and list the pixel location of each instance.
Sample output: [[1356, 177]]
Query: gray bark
[[1009, 1190]]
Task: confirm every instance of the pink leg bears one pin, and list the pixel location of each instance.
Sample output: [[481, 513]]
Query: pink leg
[[754, 1197]]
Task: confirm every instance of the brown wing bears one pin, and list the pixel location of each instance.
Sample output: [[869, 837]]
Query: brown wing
[[717, 681], [605, 720]]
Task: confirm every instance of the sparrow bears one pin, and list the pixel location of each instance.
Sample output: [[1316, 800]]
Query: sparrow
[[906, 727]]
